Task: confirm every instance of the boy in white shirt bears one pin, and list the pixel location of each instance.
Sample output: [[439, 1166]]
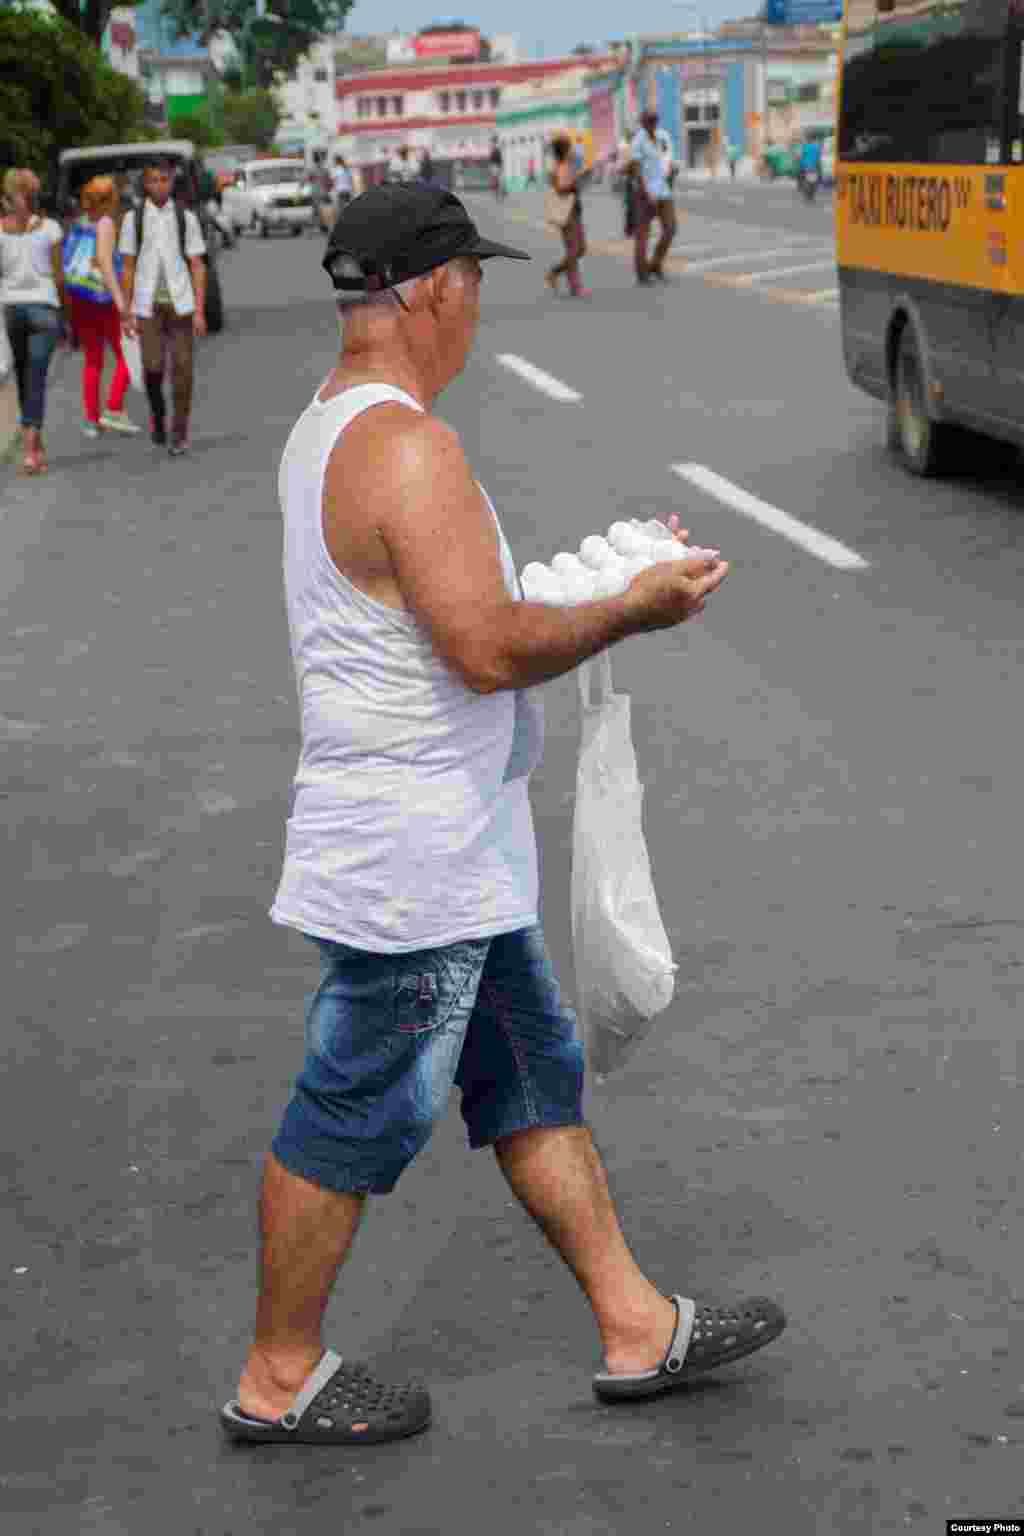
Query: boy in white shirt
[[165, 286]]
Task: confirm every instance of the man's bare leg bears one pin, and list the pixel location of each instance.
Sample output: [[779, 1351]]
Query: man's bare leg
[[307, 1234], [560, 1179]]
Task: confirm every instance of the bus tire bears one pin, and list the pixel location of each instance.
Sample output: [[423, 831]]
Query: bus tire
[[923, 444]]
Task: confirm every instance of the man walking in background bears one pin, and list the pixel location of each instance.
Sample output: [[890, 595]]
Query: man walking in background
[[165, 287], [652, 200]]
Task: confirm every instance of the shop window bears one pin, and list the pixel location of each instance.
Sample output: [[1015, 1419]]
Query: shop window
[[478, 101], [460, 101], [495, 97], [445, 100], [398, 106], [382, 106]]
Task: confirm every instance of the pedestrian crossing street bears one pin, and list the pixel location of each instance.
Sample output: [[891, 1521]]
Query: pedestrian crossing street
[[773, 264], [787, 268]]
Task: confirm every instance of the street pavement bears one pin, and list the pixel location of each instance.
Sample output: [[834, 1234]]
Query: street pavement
[[829, 1111], [760, 236]]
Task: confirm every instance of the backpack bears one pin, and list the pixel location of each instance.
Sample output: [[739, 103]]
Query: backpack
[[82, 275], [137, 216]]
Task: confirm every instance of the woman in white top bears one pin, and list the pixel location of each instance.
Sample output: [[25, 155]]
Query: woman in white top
[[98, 303], [32, 292]]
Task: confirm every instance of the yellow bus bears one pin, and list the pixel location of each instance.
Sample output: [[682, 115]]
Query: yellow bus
[[930, 220]]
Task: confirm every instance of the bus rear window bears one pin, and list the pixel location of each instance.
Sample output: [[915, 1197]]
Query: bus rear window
[[924, 83]]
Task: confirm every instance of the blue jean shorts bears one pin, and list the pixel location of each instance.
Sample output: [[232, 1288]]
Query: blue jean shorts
[[387, 1036]]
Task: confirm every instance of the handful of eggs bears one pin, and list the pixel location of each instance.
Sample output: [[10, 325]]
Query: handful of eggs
[[605, 567]]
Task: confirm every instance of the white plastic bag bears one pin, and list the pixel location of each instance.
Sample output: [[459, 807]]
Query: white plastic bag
[[625, 974], [132, 349]]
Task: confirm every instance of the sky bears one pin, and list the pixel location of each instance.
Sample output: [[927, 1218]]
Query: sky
[[545, 29]]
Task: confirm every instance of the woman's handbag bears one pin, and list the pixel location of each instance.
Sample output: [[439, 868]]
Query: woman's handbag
[[558, 207]]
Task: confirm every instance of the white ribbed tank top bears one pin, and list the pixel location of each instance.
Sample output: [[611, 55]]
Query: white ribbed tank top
[[410, 824]]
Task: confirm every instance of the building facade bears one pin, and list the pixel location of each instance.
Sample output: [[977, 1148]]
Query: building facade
[[748, 86], [536, 110], [307, 101], [447, 108]]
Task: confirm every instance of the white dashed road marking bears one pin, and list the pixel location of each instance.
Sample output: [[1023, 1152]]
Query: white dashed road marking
[[749, 254], [810, 266], [828, 549], [545, 382]]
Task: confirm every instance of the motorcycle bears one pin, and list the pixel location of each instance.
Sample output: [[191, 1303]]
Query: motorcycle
[[808, 181]]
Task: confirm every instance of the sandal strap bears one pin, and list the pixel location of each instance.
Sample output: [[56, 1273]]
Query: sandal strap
[[327, 1368], [687, 1311]]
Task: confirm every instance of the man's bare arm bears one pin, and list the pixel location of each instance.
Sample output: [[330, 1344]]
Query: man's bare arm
[[442, 542]]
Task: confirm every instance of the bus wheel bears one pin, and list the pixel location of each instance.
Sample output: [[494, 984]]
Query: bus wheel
[[922, 442]]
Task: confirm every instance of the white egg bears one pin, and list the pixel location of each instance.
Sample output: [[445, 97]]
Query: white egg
[[610, 583], [629, 542], [594, 550], [533, 572], [564, 562], [579, 586], [614, 532], [655, 531]]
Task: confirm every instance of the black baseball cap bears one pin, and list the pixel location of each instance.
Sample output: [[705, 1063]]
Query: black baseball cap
[[400, 231]]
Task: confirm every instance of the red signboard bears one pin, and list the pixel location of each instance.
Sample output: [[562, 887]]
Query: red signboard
[[448, 45]]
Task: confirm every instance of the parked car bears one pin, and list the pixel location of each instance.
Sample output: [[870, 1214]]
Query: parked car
[[271, 194], [125, 162], [226, 162]]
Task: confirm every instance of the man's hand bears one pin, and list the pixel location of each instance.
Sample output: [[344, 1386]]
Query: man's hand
[[130, 323], [670, 592], [199, 323]]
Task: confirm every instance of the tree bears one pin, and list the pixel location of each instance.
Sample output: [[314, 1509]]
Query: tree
[[197, 127], [251, 117], [57, 91], [89, 17], [275, 46]]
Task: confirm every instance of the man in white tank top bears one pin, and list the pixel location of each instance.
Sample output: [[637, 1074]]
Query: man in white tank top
[[411, 859]]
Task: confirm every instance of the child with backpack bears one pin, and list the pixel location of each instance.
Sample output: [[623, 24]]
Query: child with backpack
[[165, 278], [92, 279]]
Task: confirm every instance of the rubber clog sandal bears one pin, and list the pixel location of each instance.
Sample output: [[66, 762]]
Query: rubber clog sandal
[[705, 1338], [342, 1403]]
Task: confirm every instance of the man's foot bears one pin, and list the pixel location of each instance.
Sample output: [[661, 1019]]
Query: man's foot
[[265, 1392], [157, 433], [179, 442], [341, 1402], [644, 280], [551, 278], [91, 429], [646, 1349], [705, 1337], [117, 421]]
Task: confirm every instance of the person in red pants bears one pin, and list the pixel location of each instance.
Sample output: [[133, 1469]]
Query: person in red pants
[[93, 281]]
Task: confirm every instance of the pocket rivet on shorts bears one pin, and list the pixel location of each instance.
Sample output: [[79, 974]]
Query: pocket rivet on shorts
[[428, 988]]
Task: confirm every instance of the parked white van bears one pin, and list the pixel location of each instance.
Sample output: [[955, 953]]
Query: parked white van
[[270, 194]]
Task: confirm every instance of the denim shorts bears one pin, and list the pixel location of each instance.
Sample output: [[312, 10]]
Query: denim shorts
[[388, 1035]]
